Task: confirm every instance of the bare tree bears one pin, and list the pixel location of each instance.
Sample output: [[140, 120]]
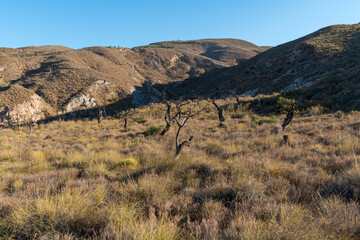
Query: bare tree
[[170, 104], [289, 116], [169, 118], [32, 121], [125, 114], [220, 113], [181, 118], [180, 112], [100, 116]]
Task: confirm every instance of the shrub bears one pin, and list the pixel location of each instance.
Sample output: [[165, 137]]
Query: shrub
[[140, 120], [283, 105], [47, 137], [268, 120], [316, 110], [153, 130], [128, 162]]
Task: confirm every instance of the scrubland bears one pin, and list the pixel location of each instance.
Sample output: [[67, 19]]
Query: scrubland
[[84, 180]]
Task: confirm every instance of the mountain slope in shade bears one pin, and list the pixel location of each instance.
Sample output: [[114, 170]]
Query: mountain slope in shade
[[321, 67]]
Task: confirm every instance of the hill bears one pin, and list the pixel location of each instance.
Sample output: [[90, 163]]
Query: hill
[[322, 67], [230, 51], [70, 80]]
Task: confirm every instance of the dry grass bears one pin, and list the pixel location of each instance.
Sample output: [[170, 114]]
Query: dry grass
[[99, 181]]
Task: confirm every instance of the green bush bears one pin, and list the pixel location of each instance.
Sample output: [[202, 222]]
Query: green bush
[[128, 162], [268, 120], [153, 130], [140, 120], [283, 105], [47, 137]]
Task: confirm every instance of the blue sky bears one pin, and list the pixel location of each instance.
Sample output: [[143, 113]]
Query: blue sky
[[82, 23]]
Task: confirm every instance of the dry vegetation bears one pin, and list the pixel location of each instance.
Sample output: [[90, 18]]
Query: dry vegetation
[[84, 180]]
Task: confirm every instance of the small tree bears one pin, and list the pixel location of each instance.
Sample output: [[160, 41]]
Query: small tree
[[181, 117], [100, 115], [125, 114], [220, 113], [170, 118], [33, 119], [170, 105]]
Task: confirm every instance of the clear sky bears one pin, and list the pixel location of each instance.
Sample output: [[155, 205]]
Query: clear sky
[[129, 23]]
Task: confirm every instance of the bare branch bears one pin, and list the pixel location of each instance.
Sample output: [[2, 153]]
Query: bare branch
[[235, 95]]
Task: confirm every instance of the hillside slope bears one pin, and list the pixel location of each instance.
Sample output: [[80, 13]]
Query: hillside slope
[[70, 80], [230, 51], [322, 67]]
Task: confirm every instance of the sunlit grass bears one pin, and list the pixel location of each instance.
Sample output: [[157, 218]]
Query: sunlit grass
[[99, 181]]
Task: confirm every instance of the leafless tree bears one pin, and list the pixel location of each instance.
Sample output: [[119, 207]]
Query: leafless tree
[[125, 114], [181, 117], [32, 120], [220, 110], [170, 106], [170, 117], [100, 116]]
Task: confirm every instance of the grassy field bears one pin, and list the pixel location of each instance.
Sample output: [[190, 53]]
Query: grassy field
[[84, 180]]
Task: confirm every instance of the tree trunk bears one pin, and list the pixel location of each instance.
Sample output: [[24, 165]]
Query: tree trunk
[[180, 146], [166, 129], [125, 123], [220, 114]]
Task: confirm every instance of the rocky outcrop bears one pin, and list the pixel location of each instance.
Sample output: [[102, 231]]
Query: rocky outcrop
[[99, 94], [84, 101], [32, 109]]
